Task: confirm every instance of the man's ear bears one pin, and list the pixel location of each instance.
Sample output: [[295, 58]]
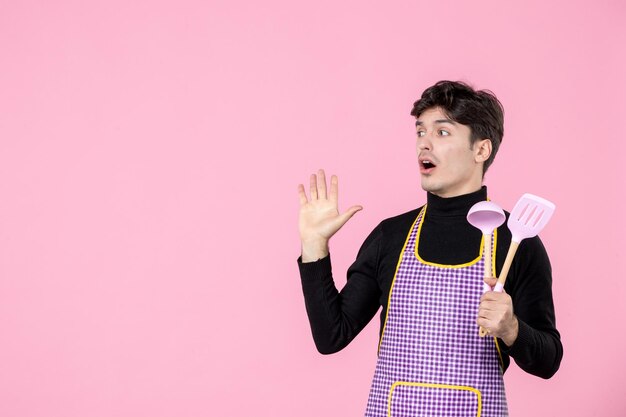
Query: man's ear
[[482, 150]]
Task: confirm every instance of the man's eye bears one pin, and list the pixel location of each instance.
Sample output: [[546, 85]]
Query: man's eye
[[444, 132], [420, 133]]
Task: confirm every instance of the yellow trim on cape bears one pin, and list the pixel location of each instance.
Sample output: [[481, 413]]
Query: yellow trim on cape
[[441, 386], [494, 250], [470, 263], [395, 274], [495, 340]]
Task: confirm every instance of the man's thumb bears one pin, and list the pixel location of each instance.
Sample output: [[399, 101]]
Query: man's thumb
[[491, 281], [349, 213]]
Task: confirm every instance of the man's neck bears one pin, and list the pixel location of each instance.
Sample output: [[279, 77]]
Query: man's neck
[[457, 205], [458, 193]]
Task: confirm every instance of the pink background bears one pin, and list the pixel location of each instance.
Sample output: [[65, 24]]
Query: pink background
[[149, 158]]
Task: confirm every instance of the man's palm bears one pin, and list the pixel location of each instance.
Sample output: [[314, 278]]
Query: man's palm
[[319, 216]]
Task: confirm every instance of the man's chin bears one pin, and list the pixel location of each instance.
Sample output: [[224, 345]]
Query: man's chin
[[428, 186], [435, 189]]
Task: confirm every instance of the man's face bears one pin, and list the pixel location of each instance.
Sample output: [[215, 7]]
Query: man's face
[[448, 165]]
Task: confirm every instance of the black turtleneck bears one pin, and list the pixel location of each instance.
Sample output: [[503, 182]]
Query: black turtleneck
[[446, 238], [449, 239]]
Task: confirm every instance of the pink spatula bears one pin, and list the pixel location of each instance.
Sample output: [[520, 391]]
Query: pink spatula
[[528, 218]]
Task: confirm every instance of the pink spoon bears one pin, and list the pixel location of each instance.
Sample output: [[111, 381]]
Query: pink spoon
[[486, 216]]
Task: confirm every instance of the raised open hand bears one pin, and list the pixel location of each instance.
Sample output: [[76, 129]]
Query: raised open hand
[[319, 216]]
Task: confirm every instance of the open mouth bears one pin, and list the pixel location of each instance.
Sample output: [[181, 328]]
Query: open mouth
[[427, 165]]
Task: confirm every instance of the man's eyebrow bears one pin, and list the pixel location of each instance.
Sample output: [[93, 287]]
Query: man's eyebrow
[[450, 121]]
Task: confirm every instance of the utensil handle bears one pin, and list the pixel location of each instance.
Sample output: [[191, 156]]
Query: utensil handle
[[502, 279], [506, 267], [487, 248]]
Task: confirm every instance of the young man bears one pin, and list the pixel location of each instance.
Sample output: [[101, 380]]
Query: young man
[[425, 268]]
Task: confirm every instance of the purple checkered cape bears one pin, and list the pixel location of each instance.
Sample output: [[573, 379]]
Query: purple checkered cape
[[431, 360]]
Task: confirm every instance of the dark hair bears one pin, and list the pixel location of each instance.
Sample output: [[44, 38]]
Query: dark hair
[[480, 110]]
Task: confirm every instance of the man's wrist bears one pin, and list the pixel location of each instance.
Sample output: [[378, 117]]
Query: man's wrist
[[511, 337], [314, 250]]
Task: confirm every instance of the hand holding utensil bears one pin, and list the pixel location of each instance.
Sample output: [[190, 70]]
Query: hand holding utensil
[[529, 216]]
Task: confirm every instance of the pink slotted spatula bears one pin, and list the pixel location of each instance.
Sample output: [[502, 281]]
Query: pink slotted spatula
[[529, 216]]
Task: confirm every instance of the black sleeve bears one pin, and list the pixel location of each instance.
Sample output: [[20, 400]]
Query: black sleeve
[[537, 349], [337, 317]]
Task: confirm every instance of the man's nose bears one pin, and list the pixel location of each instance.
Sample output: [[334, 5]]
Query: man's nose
[[423, 142]]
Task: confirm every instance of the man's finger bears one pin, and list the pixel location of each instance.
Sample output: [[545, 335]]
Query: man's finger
[[487, 309], [349, 213], [334, 189], [313, 187], [491, 281], [492, 296], [302, 195], [321, 184]]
